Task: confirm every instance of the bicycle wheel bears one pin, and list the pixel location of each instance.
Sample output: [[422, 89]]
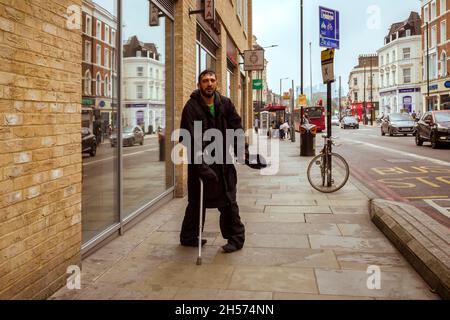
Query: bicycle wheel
[[319, 177]]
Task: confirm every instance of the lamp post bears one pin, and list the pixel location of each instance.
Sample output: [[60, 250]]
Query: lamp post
[[281, 92]]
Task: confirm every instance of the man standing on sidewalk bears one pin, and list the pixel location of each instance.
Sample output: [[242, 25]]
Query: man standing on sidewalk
[[213, 111]]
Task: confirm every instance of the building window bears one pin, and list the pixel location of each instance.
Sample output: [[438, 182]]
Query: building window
[[408, 33], [406, 53], [426, 13], [443, 31], [88, 52], [356, 96], [394, 80], [239, 9], [107, 58], [87, 83], [151, 73], [113, 64], [98, 58], [140, 92], [382, 60], [443, 7], [157, 74], [98, 85], [140, 71], [382, 80], [355, 81], [433, 66], [107, 38], [388, 81], [433, 10], [433, 37], [113, 37], [88, 26], [443, 64], [407, 75], [393, 56], [387, 58], [99, 30], [107, 86]]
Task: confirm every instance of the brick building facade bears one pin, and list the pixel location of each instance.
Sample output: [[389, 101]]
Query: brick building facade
[[40, 161], [436, 15]]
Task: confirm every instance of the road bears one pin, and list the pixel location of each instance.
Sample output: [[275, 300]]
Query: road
[[395, 168]]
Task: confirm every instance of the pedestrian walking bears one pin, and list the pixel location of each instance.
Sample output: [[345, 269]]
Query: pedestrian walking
[[214, 111]]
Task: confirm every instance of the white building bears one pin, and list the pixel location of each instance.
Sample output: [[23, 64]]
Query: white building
[[363, 85], [144, 86], [400, 67]]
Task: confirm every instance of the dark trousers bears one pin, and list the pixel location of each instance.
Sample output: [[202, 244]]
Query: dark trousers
[[231, 225]]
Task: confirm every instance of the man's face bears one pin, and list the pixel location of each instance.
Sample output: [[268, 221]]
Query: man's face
[[208, 85]]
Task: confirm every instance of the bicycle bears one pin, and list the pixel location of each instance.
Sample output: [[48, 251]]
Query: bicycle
[[320, 171]]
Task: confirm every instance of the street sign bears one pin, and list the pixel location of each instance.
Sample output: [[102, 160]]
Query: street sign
[[210, 10], [257, 84], [286, 96], [327, 57], [302, 101], [154, 15], [329, 28], [253, 60]]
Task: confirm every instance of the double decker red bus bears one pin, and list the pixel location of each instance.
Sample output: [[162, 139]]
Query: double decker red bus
[[315, 115]]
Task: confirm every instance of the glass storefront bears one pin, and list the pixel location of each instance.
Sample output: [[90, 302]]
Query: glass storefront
[[127, 114]]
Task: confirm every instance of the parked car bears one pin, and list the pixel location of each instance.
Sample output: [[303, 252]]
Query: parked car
[[434, 127], [397, 123], [130, 136], [88, 142], [349, 122], [335, 121]]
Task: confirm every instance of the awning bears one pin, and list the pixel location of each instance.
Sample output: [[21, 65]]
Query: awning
[[275, 108]]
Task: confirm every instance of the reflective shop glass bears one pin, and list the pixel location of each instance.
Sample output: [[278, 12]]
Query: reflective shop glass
[[147, 106], [99, 117]]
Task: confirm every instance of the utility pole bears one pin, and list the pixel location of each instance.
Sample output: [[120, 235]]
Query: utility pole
[[310, 74], [428, 69], [292, 113], [340, 99], [372, 111], [301, 59], [364, 95]]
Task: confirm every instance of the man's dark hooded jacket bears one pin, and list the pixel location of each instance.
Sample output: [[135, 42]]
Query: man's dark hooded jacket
[[220, 180]]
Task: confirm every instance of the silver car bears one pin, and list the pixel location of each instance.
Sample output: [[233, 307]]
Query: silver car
[[398, 123], [130, 136]]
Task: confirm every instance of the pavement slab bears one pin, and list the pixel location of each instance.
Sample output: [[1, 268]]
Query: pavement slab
[[300, 245]]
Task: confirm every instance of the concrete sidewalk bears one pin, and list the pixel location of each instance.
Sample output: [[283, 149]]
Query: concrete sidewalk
[[301, 244]]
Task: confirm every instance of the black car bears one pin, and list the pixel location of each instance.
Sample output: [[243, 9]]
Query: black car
[[397, 123], [435, 128], [349, 122], [89, 142]]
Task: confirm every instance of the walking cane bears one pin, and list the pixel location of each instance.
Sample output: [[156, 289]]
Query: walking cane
[[199, 259]]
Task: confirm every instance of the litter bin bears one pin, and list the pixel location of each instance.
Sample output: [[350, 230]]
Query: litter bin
[[308, 140], [162, 145]]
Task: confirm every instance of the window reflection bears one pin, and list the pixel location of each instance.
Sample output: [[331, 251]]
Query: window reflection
[[99, 111], [147, 106]]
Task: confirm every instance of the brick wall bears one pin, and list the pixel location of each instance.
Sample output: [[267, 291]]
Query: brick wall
[[40, 156]]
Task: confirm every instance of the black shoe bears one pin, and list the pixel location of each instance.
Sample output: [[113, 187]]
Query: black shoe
[[193, 244], [230, 248]]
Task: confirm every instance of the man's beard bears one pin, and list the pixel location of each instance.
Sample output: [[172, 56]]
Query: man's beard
[[206, 94]]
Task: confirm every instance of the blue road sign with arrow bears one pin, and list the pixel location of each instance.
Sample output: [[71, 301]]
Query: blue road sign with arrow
[[329, 28]]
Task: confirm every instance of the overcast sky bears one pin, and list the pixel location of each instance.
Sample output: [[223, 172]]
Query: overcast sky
[[364, 24]]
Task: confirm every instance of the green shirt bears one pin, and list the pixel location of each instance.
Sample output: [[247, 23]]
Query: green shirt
[[212, 109]]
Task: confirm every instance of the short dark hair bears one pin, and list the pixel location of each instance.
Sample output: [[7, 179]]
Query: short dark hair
[[206, 72]]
